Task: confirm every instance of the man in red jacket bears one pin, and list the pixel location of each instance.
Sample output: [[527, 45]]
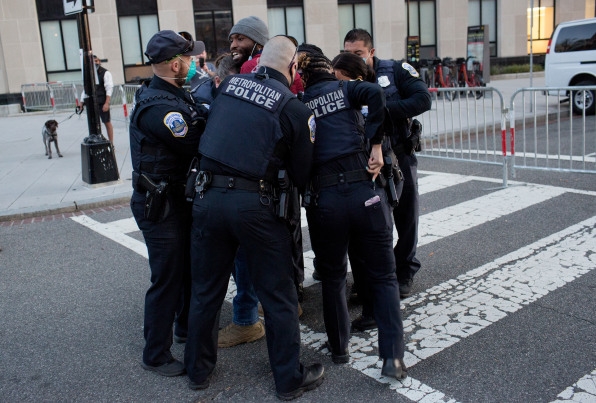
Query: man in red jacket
[[247, 38]]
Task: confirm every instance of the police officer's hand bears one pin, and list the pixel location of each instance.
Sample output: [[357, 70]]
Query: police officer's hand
[[375, 162]]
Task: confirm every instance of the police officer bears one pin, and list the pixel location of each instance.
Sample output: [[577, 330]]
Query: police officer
[[350, 208], [165, 126], [234, 207], [407, 96]]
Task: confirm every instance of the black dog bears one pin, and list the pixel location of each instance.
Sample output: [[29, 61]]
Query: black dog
[[50, 135]]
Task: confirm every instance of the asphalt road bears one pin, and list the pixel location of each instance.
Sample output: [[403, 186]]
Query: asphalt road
[[502, 311]]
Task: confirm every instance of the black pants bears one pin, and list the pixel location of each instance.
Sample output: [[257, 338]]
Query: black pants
[[222, 221], [406, 217], [339, 219], [168, 246]]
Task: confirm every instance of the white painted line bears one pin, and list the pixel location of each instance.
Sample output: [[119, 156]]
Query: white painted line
[[451, 220], [432, 183], [125, 226], [113, 233], [458, 308], [583, 390]]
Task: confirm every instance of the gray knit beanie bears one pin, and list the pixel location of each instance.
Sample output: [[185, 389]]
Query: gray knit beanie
[[252, 27]]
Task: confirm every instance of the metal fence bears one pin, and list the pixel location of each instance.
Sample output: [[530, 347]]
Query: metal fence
[[62, 96], [545, 133], [464, 124]]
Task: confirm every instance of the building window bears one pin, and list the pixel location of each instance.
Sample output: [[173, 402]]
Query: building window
[[353, 14], [541, 24], [213, 23], [422, 24], [484, 12], [60, 41], [137, 23], [286, 21]]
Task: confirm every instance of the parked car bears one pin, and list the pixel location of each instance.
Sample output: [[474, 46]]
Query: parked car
[[571, 61]]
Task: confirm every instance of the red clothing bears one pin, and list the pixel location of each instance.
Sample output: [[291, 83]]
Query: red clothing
[[250, 66]]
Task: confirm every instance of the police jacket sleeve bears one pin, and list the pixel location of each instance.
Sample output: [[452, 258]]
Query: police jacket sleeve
[[365, 93], [174, 129], [297, 125], [415, 98]]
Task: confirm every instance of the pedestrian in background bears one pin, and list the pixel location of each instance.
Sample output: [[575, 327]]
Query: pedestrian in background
[[165, 126], [103, 93]]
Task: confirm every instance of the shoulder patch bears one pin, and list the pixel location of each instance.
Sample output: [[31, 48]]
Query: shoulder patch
[[410, 69], [313, 128], [383, 81], [175, 122]]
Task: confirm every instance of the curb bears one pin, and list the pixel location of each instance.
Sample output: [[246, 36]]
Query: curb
[[515, 76], [65, 209]]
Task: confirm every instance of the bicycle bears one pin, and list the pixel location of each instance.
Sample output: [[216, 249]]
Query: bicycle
[[442, 77], [469, 78]]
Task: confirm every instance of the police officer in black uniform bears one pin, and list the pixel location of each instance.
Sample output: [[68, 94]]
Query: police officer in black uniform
[[349, 207], [165, 127], [407, 96], [235, 206]]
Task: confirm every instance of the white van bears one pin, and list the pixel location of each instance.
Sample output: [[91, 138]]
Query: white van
[[571, 61]]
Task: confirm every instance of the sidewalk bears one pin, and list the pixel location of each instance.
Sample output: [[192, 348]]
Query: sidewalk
[[34, 185]]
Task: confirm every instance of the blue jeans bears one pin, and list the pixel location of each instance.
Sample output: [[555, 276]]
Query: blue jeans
[[246, 311]]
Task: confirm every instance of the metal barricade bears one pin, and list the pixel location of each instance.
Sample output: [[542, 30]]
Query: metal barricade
[[546, 134], [63, 95], [466, 124], [36, 97]]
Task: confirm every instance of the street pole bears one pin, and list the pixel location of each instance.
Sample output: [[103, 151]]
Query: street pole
[[531, 51], [93, 121], [98, 159]]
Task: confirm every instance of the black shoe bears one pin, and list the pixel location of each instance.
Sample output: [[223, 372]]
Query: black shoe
[[172, 368], [312, 379], [394, 368], [339, 358], [405, 288], [362, 323], [198, 385]]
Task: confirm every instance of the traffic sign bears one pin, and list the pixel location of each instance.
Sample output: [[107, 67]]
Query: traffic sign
[[72, 6]]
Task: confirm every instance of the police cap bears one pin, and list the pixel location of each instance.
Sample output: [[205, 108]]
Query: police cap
[[167, 44]]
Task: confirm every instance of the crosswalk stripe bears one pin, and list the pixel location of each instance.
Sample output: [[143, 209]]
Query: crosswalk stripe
[[584, 390], [458, 308], [116, 234], [471, 213]]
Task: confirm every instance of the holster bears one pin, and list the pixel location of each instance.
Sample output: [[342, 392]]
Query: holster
[[191, 180], [156, 198], [283, 194]]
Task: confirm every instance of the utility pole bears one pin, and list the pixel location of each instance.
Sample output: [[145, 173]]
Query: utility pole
[[98, 160]]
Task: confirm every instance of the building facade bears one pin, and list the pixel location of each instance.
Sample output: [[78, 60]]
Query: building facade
[[38, 43]]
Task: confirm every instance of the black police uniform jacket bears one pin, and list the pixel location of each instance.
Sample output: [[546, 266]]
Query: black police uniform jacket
[[407, 95], [165, 128], [246, 100], [337, 109]]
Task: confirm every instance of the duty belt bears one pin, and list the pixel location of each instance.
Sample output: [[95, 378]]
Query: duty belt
[[344, 177], [232, 182]]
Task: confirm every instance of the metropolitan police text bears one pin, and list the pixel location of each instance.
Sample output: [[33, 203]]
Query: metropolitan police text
[[253, 91]]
